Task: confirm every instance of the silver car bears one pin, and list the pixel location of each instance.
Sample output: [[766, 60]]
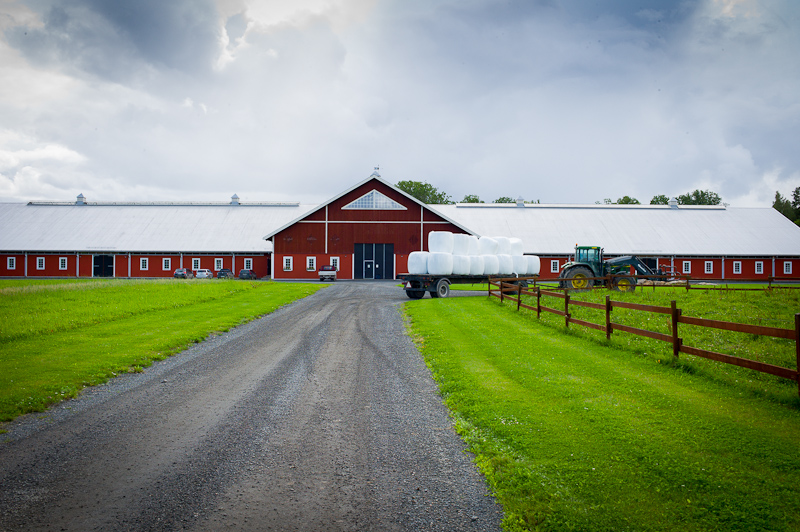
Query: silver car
[[204, 274]]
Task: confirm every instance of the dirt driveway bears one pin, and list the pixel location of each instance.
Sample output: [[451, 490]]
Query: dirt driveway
[[321, 416]]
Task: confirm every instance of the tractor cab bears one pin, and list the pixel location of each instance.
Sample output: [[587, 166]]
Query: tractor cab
[[590, 255]]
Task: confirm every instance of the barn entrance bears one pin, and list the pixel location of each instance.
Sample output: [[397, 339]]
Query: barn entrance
[[373, 261], [103, 266]]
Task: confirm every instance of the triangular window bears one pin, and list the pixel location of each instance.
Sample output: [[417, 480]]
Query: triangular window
[[374, 201]]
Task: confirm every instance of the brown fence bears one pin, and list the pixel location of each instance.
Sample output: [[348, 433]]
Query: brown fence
[[509, 290], [685, 281]]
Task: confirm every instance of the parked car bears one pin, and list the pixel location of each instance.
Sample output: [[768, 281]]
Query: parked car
[[327, 273], [247, 274], [183, 273], [224, 273], [204, 274]]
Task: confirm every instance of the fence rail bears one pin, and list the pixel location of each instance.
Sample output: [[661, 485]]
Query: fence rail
[[508, 289], [681, 281]]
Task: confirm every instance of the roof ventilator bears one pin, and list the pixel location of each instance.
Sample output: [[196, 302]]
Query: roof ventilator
[[81, 200], [520, 201], [673, 203], [235, 200]]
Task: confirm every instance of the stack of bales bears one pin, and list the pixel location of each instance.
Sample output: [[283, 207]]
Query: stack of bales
[[458, 254]]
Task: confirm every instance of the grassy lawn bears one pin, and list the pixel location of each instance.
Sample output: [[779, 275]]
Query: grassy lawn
[[56, 338], [575, 433]]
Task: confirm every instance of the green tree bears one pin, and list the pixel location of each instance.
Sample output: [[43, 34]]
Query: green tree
[[661, 199], [699, 197], [504, 199], [627, 200], [796, 204], [424, 192], [471, 198], [784, 206]]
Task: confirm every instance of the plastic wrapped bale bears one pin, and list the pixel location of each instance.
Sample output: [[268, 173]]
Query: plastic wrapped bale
[[520, 264], [418, 262], [473, 246], [533, 264], [440, 242], [503, 245], [491, 265], [461, 264], [506, 264], [517, 248], [460, 244], [476, 265], [440, 264], [487, 246]]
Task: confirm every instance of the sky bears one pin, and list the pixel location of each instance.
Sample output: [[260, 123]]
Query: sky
[[298, 100]]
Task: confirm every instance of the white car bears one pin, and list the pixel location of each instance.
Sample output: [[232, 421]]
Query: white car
[[204, 274]]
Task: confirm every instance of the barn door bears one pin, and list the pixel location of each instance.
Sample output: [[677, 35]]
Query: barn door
[[103, 266]]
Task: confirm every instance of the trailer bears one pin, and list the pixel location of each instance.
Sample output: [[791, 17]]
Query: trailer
[[416, 285]]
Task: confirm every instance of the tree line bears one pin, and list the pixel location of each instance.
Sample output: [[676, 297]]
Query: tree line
[[787, 207]]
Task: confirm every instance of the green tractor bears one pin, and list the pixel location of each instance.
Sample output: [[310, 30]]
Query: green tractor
[[577, 274]]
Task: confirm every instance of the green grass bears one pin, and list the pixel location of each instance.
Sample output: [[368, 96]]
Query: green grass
[[58, 338], [576, 434]]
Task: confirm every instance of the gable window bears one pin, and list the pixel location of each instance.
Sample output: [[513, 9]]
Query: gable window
[[166, 264], [759, 267], [709, 266], [144, 263], [554, 266], [218, 264], [195, 264], [62, 263], [737, 266], [787, 268], [287, 264], [687, 266], [11, 263], [248, 264], [335, 263], [40, 263], [374, 201]]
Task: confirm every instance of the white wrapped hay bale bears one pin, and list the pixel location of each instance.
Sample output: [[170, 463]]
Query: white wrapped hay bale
[[473, 246], [461, 264], [517, 248], [533, 264], [491, 264], [440, 264], [520, 264], [487, 246], [476, 264], [460, 244], [418, 262], [506, 264], [440, 242], [503, 245]]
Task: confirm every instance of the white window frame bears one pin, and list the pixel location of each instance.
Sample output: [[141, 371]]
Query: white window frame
[[11, 263], [554, 266], [248, 264], [218, 263], [311, 264], [335, 263], [144, 263], [63, 263], [759, 267], [40, 263], [195, 263], [288, 264], [787, 267], [166, 264], [687, 266], [737, 267], [709, 266]]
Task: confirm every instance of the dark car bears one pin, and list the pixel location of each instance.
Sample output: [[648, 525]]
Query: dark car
[[224, 273], [183, 273], [247, 274]]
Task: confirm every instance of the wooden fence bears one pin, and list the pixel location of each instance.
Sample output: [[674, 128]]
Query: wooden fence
[[685, 281], [509, 290]]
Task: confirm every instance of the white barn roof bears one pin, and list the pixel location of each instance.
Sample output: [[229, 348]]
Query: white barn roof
[[142, 228], [634, 229]]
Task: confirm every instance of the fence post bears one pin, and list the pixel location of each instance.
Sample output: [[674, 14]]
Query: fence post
[[519, 295], [566, 309], [502, 292], [797, 347], [538, 301], [608, 317], [676, 342]]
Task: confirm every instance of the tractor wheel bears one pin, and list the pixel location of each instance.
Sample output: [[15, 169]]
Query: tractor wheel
[[625, 284], [579, 278]]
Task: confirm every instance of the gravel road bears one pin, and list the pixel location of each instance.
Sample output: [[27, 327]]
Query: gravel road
[[320, 416]]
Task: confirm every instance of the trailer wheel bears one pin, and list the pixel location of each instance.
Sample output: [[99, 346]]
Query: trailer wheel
[[442, 288], [625, 284], [415, 294]]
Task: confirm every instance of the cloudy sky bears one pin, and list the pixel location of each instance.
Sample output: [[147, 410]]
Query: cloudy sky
[[296, 100]]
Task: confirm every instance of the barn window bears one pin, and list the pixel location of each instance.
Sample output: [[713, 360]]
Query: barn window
[[335, 263], [143, 263], [737, 266], [195, 264], [218, 264], [554, 266], [40, 263], [287, 264], [248, 264], [787, 268], [62, 263], [166, 264], [687, 266], [311, 264], [709, 266], [759, 267], [374, 201], [11, 263]]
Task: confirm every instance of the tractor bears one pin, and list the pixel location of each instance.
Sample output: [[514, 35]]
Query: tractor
[[589, 262]]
